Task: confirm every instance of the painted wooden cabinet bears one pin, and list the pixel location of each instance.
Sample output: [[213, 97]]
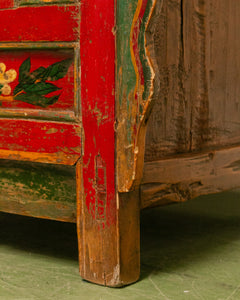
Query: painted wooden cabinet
[[81, 82]]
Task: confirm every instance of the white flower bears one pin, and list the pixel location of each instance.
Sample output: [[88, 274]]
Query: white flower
[[6, 78]]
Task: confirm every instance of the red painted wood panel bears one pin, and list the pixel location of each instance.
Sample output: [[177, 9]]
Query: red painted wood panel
[[13, 59], [46, 23], [98, 104], [39, 141], [6, 4]]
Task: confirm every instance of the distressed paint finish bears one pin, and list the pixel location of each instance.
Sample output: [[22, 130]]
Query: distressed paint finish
[[134, 88], [45, 45], [98, 101], [62, 133], [40, 190], [97, 227], [80, 159], [102, 139], [60, 24], [46, 142], [107, 219]]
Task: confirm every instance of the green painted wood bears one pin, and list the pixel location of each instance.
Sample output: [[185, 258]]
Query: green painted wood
[[39, 181], [134, 87], [126, 74], [125, 69], [39, 190]]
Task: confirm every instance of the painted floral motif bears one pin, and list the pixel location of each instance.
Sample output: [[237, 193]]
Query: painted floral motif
[[6, 77], [34, 87]]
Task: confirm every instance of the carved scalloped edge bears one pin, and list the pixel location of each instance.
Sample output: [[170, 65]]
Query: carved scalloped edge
[[147, 86], [141, 57]]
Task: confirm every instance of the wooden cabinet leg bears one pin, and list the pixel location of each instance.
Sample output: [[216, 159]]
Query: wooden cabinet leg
[[109, 253], [129, 236]]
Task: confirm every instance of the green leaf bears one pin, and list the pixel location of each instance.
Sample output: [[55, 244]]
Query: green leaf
[[31, 78], [37, 100], [24, 70], [17, 89], [40, 88], [52, 100], [38, 73], [58, 70], [1, 86]]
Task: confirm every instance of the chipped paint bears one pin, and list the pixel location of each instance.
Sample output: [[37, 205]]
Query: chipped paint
[[46, 142], [134, 88]]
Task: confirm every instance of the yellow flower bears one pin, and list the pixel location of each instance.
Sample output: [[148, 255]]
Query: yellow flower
[[6, 78]]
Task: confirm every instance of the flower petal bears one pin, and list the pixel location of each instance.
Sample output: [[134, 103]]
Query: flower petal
[[2, 68], [10, 75], [6, 90]]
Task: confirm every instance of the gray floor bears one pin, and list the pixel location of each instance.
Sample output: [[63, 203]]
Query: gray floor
[[189, 251]]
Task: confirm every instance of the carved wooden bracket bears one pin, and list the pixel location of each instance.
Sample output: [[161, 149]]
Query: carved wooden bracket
[[135, 77]]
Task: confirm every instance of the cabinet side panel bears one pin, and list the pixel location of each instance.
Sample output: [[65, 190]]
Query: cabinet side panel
[[197, 51]]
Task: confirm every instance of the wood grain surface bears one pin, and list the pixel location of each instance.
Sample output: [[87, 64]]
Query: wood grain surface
[[197, 48], [185, 177]]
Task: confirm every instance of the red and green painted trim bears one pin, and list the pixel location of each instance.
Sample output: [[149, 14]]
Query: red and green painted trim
[[134, 83]]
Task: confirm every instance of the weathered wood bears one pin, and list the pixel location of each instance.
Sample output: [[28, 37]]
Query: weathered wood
[[197, 52], [41, 124], [77, 90], [65, 212], [97, 217], [185, 177], [135, 77], [109, 255], [38, 190]]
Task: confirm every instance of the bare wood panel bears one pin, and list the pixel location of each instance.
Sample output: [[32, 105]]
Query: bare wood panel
[[197, 50], [183, 178]]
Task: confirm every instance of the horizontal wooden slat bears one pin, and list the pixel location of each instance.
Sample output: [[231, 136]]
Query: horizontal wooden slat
[[185, 177], [38, 141], [46, 23], [41, 209], [39, 190]]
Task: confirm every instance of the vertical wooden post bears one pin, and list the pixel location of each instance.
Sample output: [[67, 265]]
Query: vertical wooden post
[[109, 254], [108, 222], [116, 91]]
